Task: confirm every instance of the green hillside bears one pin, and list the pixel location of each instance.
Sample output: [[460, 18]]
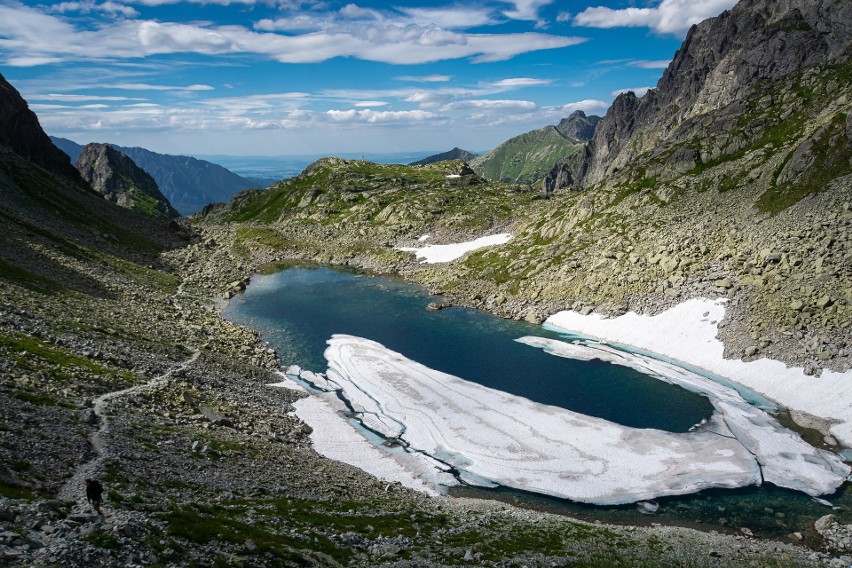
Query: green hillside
[[526, 158]]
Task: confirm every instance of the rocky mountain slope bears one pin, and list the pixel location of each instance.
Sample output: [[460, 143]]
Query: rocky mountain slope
[[731, 179], [121, 181], [454, 154], [760, 88], [115, 364], [188, 183], [528, 157]]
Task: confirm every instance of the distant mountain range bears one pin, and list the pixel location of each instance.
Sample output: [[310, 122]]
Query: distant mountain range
[[188, 183], [115, 176]]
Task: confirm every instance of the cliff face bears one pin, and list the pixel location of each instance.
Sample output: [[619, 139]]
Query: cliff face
[[188, 183], [578, 126], [740, 65], [22, 134], [116, 177]]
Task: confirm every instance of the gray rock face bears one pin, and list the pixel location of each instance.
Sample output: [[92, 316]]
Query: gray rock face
[[121, 181], [723, 61], [578, 126], [21, 132]]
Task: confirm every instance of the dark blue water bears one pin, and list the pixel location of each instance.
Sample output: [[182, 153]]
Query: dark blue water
[[299, 309]]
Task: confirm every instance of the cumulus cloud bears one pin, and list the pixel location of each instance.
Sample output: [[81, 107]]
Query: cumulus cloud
[[588, 106], [525, 9], [639, 91], [374, 116], [669, 17]]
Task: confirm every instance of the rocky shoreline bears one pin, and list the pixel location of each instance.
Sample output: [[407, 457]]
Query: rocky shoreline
[[214, 444]]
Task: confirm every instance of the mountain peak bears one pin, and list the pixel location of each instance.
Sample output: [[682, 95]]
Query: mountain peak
[[114, 175], [21, 132]]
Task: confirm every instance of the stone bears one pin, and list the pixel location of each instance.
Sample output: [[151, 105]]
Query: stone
[[824, 523], [723, 283]]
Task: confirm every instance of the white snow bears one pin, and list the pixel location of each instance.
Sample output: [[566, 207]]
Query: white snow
[[432, 254], [494, 437], [684, 333], [335, 438]]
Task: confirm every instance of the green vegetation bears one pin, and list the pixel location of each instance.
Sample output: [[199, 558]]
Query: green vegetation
[[526, 158], [830, 156]]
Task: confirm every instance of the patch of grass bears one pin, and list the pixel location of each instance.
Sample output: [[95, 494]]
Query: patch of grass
[[832, 158], [34, 398], [16, 492], [102, 540]]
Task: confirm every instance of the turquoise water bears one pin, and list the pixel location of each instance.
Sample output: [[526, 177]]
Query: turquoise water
[[299, 309]]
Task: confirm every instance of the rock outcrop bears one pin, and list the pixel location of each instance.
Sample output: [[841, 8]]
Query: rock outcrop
[[188, 183], [733, 83], [21, 133], [116, 177], [578, 126]]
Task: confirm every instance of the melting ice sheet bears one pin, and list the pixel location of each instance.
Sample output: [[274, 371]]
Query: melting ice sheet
[[492, 437]]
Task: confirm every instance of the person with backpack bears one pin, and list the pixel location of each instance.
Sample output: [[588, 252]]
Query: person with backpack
[[94, 493]]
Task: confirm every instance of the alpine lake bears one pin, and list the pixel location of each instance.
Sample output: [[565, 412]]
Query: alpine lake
[[299, 308]]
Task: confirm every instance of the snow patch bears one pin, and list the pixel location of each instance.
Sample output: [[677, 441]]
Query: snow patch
[[687, 333], [432, 254]]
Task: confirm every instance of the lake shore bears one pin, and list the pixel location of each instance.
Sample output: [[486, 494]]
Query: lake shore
[[688, 333]]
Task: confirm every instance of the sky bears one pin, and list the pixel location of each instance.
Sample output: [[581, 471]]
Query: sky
[[292, 77]]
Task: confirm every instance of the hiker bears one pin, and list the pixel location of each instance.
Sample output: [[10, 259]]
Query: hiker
[[94, 491]]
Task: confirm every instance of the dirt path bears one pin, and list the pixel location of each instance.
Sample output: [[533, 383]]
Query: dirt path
[[74, 488]]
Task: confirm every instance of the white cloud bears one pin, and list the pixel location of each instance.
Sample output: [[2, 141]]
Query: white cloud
[[89, 6], [456, 17], [520, 82], [588, 106], [215, 2], [149, 87], [491, 104], [639, 91], [373, 116], [658, 64], [30, 37], [670, 17], [368, 104], [424, 78], [563, 17], [525, 9], [77, 98]]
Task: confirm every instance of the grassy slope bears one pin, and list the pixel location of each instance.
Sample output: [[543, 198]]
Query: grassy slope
[[526, 158]]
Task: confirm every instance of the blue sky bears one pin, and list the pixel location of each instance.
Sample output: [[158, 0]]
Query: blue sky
[[281, 77]]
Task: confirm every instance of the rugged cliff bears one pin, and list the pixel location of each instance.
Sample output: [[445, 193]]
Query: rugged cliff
[[766, 75], [21, 133], [188, 183], [120, 180]]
